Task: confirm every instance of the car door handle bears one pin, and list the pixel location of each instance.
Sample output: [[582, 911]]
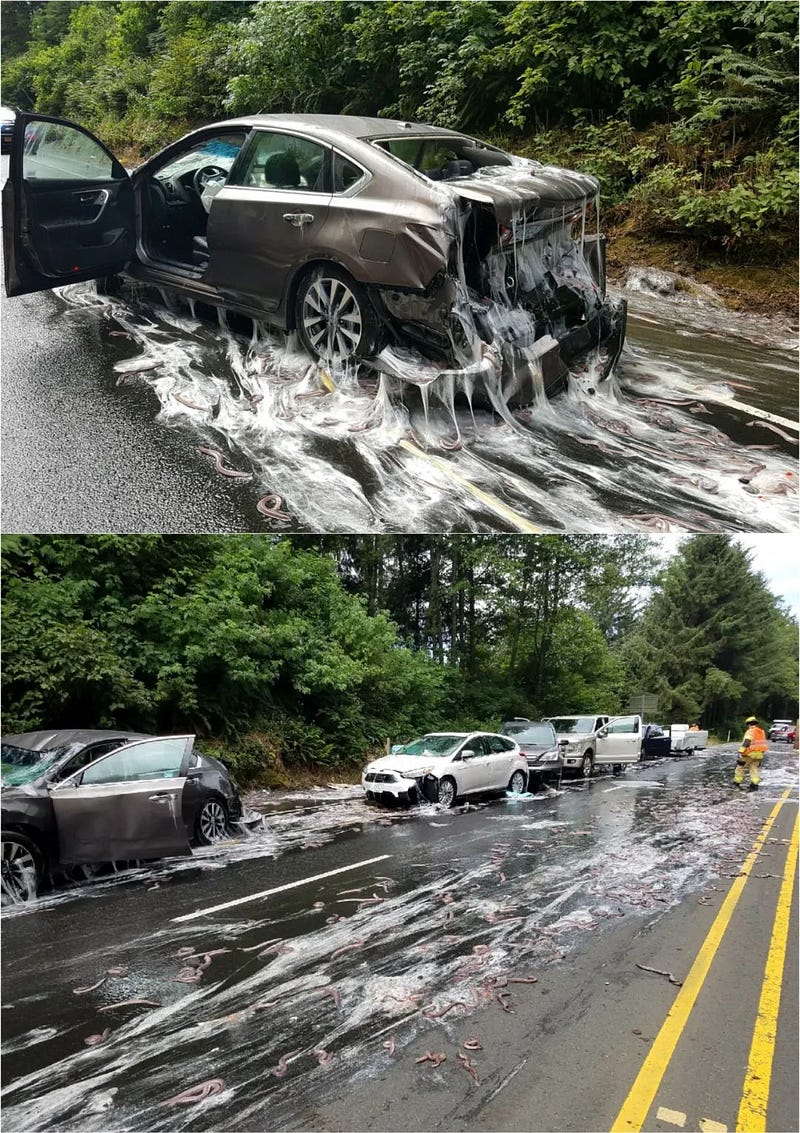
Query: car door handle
[[94, 197], [298, 219], [160, 798]]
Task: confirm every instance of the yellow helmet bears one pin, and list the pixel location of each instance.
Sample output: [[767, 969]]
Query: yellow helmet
[[751, 720]]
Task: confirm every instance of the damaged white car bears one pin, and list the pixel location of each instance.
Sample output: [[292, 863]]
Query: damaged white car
[[443, 766], [428, 255]]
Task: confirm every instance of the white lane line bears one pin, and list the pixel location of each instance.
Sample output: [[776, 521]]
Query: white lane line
[[278, 889]]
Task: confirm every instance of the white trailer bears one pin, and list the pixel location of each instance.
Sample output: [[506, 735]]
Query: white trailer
[[682, 739]]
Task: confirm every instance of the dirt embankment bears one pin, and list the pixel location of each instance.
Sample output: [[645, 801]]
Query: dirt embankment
[[761, 289]]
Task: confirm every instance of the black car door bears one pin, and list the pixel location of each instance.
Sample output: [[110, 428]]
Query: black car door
[[68, 207]]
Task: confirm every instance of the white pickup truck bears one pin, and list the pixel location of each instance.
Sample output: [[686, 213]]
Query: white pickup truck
[[598, 741]]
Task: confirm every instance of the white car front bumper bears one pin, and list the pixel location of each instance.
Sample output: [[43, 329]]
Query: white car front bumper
[[392, 787]]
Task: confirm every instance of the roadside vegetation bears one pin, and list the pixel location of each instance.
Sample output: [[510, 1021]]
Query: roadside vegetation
[[296, 657], [687, 111]]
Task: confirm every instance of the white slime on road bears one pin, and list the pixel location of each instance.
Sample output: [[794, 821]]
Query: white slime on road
[[638, 452]]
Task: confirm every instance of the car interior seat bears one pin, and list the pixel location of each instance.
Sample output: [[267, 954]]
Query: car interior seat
[[281, 171], [457, 169]]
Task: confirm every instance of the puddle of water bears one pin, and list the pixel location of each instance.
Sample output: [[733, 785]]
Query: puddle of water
[[647, 450]]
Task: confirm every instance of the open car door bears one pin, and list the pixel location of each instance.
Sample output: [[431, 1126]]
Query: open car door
[[620, 740], [68, 207], [127, 804]]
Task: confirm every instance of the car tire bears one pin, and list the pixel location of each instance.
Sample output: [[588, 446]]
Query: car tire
[[212, 821], [446, 792], [587, 765], [22, 869], [517, 784], [334, 316]]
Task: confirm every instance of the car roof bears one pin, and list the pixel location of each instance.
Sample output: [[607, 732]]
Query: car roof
[[353, 125], [42, 741]]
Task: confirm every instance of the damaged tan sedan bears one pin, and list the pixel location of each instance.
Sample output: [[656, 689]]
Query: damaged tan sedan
[[417, 250]]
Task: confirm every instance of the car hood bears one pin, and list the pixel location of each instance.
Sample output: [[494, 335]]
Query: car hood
[[408, 764], [526, 184]]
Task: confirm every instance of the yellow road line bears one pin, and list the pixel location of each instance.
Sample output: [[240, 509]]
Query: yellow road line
[[636, 1106], [492, 502], [755, 1092]]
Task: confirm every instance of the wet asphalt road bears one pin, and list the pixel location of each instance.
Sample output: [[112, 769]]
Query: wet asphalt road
[[573, 888], [87, 449]]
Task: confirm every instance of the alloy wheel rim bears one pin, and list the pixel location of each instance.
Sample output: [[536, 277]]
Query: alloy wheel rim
[[446, 793], [517, 783], [17, 873], [332, 318], [212, 821]]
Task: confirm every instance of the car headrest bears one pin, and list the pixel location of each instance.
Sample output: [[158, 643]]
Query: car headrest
[[282, 171]]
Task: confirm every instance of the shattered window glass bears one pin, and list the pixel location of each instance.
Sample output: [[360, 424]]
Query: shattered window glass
[[21, 765], [220, 151]]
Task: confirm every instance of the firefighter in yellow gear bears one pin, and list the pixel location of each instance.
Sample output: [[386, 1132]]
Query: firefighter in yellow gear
[[751, 753]]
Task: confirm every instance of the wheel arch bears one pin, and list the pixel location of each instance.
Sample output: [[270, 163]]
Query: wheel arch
[[300, 274], [32, 833]]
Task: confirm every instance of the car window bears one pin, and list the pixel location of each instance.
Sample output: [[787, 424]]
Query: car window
[[535, 734], [623, 724], [284, 161], [574, 724], [442, 159], [220, 151], [153, 759], [88, 755], [477, 744], [346, 173], [55, 151], [21, 765], [514, 727], [432, 745]]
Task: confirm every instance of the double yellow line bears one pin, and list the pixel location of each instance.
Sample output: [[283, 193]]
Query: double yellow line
[[753, 1109]]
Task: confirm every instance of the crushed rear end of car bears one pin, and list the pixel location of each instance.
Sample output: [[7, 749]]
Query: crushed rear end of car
[[521, 303]]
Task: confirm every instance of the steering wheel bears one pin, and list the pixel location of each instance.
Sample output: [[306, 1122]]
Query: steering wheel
[[205, 174]]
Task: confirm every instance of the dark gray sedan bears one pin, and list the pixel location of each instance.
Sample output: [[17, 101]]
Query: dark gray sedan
[[83, 797], [539, 744], [423, 248]]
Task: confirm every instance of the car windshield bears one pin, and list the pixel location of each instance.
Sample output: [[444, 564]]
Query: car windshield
[[539, 734], [21, 765], [575, 724], [432, 745]]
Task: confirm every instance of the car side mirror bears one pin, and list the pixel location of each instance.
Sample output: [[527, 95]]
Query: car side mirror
[[63, 785], [603, 732], [467, 753], [196, 772]]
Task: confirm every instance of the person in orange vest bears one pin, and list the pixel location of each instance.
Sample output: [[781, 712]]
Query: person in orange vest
[[751, 753]]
